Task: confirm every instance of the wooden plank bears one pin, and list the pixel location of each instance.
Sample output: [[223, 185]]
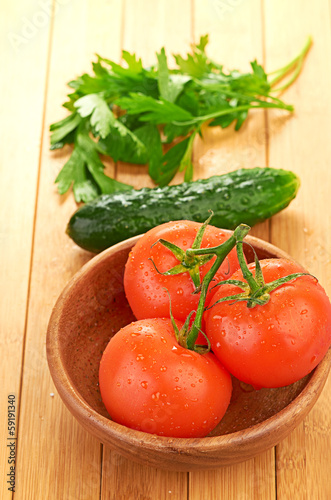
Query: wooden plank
[[170, 26], [57, 458], [23, 40], [124, 480], [252, 479], [236, 38], [303, 144]]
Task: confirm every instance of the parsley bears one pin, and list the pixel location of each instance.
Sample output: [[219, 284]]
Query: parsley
[[128, 113]]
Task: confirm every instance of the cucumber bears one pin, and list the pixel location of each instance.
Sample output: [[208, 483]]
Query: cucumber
[[243, 196]]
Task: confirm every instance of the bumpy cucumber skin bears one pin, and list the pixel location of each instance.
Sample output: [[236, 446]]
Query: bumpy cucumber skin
[[243, 196]]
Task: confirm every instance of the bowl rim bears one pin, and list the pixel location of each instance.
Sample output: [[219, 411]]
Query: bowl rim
[[295, 410]]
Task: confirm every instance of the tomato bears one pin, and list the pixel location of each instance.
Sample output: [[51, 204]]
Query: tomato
[[146, 289], [278, 343], [150, 383]]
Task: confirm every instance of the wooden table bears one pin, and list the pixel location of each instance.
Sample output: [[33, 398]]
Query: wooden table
[[44, 45]]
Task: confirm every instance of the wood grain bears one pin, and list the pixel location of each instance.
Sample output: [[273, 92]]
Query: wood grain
[[251, 479], [56, 458], [168, 24], [66, 456], [236, 37], [20, 131], [303, 145]]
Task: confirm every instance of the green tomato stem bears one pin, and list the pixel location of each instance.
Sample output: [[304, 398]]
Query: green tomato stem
[[221, 252], [247, 274]]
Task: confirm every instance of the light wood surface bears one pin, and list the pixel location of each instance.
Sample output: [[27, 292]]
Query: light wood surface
[[41, 49]]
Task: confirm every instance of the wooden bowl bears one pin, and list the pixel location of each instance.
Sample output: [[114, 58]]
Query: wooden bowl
[[91, 309]]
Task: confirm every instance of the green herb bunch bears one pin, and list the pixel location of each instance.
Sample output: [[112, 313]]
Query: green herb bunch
[[128, 113]]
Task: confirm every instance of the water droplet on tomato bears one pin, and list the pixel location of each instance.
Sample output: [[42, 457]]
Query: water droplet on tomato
[[177, 388], [163, 369], [144, 384], [176, 379], [304, 311], [163, 340], [313, 359], [139, 357], [179, 291], [129, 381], [156, 396], [141, 265]]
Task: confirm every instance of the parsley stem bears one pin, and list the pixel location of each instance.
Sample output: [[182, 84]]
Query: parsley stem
[[228, 111], [295, 64]]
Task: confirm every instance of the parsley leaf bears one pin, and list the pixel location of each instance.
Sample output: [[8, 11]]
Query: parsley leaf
[[171, 161], [123, 145], [149, 135], [74, 173], [170, 86], [84, 171], [63, 128], [127, 112], [101, 117], [152, 110], [89, 152]]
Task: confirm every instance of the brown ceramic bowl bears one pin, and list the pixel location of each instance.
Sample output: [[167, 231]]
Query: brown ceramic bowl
[[91, 309]]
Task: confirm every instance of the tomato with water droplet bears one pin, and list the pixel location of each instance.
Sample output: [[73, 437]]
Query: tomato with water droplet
[[146, 293], [274, 344], [164, 389]]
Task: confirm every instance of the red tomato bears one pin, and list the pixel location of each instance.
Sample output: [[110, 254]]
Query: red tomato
[[278, 343], [150, 383], [145, 287]]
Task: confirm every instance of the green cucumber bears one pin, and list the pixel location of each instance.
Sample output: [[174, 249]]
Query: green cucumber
[[243, 196]]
